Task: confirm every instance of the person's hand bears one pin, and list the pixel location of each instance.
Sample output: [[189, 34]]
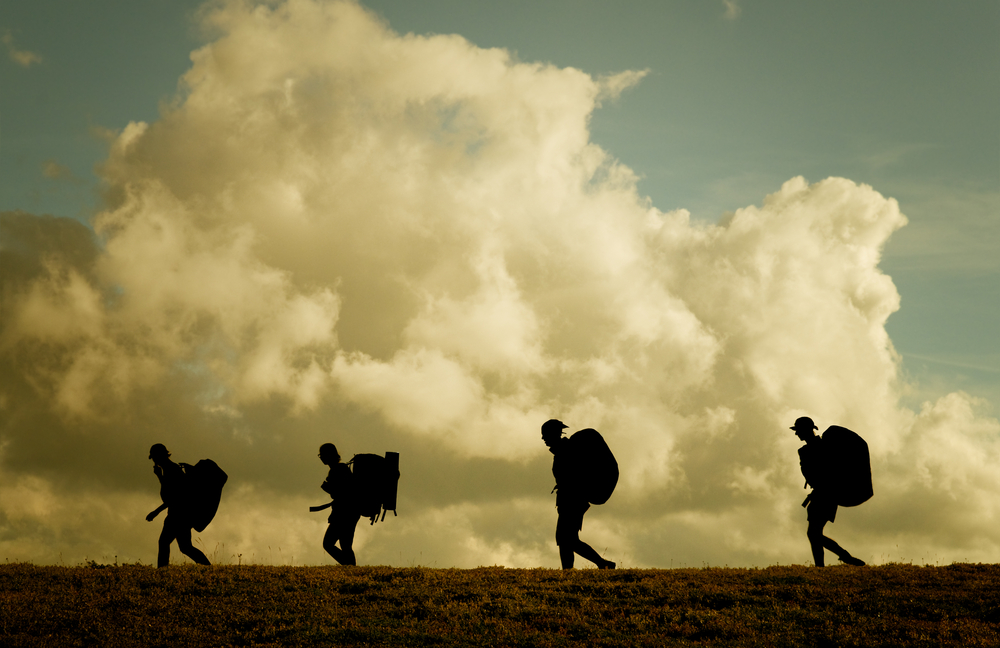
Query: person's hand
[[158, 471], [152, 515]]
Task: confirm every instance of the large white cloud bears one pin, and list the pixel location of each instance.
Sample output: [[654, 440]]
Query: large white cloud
[[407, 242]]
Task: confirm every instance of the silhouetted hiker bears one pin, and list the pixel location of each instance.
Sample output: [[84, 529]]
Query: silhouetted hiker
[[820, 467], [344, 513], [571, 467], [175, 493]]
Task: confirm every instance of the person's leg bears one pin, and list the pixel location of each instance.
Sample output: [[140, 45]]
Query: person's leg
[[844, 555], [567, 536], [188, 549], [350, 526], [829, 543], [819, 512], [591, 554], [330, 543], [163, 544], [815, 534]]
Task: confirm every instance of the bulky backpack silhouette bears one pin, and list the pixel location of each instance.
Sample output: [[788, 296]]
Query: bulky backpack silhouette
[[203, 491], [594, 467], [376, 481], [849, 465]]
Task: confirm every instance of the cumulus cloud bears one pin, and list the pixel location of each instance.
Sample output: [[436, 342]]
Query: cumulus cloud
[[338, 233]]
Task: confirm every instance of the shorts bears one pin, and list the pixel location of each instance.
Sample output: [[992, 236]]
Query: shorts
[[821, 509]]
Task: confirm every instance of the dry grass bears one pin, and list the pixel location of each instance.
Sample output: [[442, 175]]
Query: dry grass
[[892, 605]]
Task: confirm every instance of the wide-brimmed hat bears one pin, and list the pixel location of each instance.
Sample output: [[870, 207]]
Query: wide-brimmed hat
[[803, 423]]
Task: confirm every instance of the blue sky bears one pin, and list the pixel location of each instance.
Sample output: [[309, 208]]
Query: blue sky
[[738, 97]]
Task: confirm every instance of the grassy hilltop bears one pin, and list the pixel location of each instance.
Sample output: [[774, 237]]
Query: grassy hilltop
[[131, 605]]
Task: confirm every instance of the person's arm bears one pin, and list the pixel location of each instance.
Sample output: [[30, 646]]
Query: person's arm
[[158, 471], [153, 514], [807, 463], [329, 487]]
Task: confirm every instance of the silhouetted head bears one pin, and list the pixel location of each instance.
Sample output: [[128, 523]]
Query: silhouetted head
[[804, 427], [158, 452], [328, 454], [552, 431]]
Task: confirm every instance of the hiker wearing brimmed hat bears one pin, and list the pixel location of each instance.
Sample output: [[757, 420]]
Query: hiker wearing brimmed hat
[[821, 503], [571, 501], [179, 522]]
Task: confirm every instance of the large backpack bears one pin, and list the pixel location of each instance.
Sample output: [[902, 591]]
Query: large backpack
[[376, 479], [595, 466], [203, 492], [849, 465]]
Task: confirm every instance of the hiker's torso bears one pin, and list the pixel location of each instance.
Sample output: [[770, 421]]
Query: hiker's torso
[[566, 470], [815, 464], [340, 486], [173, 483]]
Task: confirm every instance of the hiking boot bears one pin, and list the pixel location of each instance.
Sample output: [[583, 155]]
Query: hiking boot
[[851, 560], [607, 565]]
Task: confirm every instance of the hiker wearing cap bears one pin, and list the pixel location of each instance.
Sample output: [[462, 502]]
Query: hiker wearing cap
[[571, 503], [344, 513], [821, 504], [178, 524]]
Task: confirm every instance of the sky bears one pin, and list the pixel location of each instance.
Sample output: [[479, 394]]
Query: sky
[[245, 229]]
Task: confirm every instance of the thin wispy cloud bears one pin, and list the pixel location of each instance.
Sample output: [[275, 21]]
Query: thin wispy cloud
[[54, 170], [24, 58], [952, 362], [732, 9]]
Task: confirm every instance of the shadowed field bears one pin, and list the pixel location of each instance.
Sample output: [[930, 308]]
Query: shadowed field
[[892, 605]]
